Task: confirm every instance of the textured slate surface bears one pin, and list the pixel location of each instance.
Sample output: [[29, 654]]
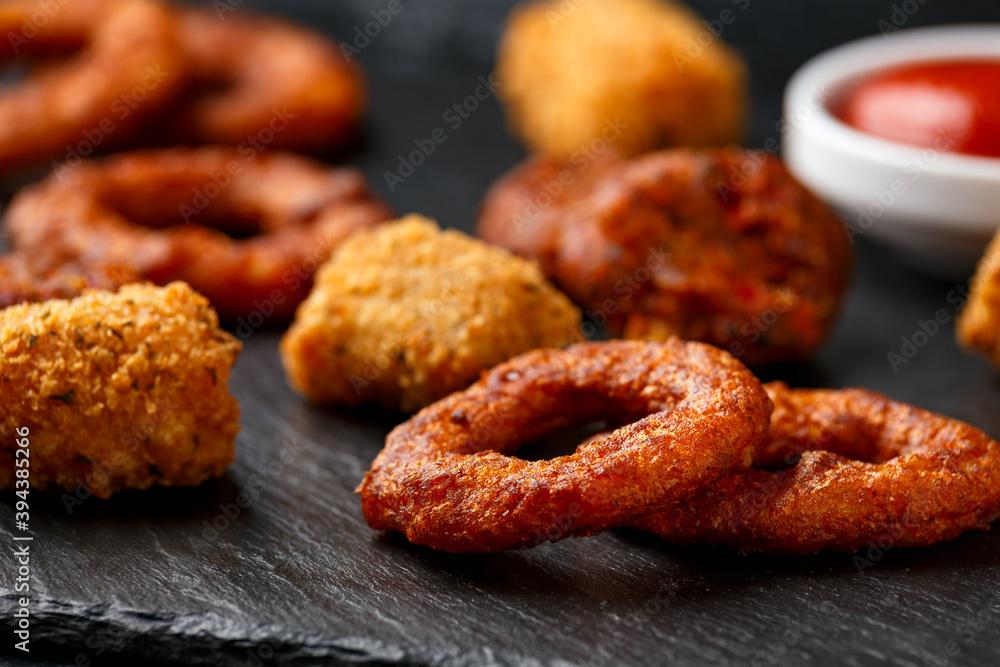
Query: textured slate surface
[[296, 577]]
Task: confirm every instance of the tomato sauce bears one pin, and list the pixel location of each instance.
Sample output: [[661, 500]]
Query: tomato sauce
[[951, 106]]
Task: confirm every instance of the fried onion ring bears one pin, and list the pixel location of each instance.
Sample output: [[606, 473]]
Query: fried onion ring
[[722, 246], [872, 471], [22, 281], [446, 478], [123, 64], [264, 81], [130, 210]]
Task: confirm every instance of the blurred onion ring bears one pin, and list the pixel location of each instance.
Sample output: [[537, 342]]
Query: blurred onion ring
[[103, 66], [264, 82], [247, 232], [446, 478], [872, 472], [23, 281], [718, 245]]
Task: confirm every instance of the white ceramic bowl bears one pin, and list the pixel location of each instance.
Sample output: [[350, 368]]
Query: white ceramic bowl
[[936, 209]]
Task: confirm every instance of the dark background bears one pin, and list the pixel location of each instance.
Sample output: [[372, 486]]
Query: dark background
[[299, 578], [425, 52]]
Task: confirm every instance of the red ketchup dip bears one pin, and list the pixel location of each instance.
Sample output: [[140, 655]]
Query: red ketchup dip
[[950, 106]]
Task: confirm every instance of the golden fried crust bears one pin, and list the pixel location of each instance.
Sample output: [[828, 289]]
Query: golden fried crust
[[447, 479], [619, 71], [173, 214], [978, 326], [119, 390], [23, 280], [406, 314], [524, 210], [871, 471], [254, 74], [722, 246], [127, 64]]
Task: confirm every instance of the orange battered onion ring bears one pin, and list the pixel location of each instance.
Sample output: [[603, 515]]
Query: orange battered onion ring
[[721, 246], [266, 82], [446, 478], [872, 471], [108, 65], [23, 281], [130, 210]]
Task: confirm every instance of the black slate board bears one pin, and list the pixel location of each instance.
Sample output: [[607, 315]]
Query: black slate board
[[297, 577]]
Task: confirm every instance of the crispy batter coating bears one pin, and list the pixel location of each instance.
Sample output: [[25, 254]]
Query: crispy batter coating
[[23, 280], [636, 73], [978, 326], [872, 470], [124, 64], [448, 478], [406, 314], [119, 391], [173, 214], [266, 79], [721, 245]]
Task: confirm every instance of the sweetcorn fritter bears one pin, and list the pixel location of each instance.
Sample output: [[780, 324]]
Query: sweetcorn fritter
[[638, 74], [978, 326], [116, 391], [406, 314]]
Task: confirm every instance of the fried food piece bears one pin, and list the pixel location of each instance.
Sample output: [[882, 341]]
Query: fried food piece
[[406, 314], [872, 470], [633, 73], [722, 246], [448, 478], [22, 280], [248, 232], [120, 63], [257, 78], [978, 325], [118, 391]]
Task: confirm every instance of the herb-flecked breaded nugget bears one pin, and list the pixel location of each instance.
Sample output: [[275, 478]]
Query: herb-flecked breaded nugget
[[117, 391], [640, 74], [406, 314], [978, 326]]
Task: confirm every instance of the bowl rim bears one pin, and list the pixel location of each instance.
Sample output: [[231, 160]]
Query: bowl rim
[[831, 71]]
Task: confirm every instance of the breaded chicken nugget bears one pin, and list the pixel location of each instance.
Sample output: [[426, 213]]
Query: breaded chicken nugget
[[406, 314], [640, 74], [978, 326], [117, 391]]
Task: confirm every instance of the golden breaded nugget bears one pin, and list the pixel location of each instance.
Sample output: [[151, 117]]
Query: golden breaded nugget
[[405, 314], [978, 326], [117, 391], [640, 74]]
